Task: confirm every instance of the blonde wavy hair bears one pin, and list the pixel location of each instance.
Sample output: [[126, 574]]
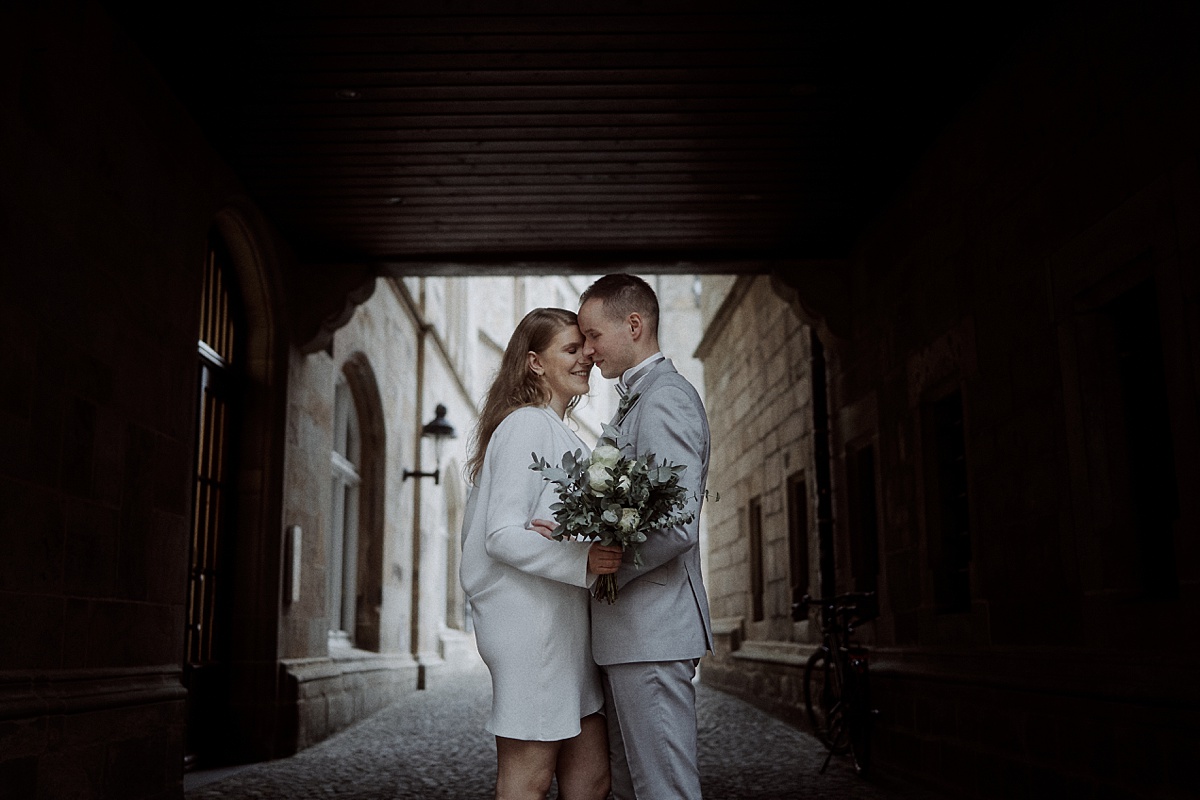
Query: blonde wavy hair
[[515, 384]]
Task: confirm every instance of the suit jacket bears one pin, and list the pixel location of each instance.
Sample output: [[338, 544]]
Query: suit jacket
[[661, 612]]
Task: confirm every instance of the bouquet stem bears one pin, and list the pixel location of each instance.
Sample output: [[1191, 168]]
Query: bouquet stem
[[606, 589]]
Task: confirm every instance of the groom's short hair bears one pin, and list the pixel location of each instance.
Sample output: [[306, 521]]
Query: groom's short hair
[[622, 294]]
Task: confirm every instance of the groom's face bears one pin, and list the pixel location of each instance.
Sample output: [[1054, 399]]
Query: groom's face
[[606, 339]]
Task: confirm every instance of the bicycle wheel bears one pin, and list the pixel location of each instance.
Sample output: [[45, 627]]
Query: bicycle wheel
[[823, 687], [860, 715]]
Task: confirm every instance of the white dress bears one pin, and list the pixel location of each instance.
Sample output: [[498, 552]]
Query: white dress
[[529, 595]]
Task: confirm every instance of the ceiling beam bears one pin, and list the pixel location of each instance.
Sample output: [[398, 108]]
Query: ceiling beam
[[714, 262]]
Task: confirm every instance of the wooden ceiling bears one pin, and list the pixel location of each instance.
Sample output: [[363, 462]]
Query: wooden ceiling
[[464, 137]]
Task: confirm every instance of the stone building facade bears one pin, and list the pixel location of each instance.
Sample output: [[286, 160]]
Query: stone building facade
[[125, 647], [1012, 419], [380, 610], [1020, 321], [759, 399]]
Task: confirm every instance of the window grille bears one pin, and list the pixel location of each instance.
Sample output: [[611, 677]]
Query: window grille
[[797, 499], [1141, 450], [863, 518], [754, 517], [947, 504], [218, 344], [342, 574]]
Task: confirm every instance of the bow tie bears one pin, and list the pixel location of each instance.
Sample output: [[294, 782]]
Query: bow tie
[[623, 387]]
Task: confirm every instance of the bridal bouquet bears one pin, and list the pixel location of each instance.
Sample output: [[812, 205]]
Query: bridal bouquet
[[614, 500]]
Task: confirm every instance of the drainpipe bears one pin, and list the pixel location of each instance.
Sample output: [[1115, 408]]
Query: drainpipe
[[821, 454], [415, 612]]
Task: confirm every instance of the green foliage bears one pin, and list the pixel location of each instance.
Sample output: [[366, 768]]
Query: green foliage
[[614, 499]]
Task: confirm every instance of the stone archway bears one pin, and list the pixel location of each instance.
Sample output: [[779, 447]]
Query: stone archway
[[256, 466]]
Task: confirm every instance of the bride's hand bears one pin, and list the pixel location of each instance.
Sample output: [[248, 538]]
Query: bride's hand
[[544, 526]]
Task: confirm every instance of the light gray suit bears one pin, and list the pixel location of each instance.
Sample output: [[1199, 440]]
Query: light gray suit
[[648, 643]]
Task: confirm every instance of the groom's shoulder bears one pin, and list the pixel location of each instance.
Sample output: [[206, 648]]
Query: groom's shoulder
[[672, 390], [673, 380]]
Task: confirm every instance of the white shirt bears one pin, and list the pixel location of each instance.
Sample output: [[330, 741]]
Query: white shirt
[[630, 376]]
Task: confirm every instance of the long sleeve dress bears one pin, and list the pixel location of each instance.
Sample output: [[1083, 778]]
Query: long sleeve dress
[[528, 594]]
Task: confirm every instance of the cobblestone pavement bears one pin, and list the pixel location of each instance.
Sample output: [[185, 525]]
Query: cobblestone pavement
[[431, 745]]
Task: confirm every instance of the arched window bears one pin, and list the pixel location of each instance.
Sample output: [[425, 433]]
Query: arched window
[[355, 543], [342, 543], [206, 638]]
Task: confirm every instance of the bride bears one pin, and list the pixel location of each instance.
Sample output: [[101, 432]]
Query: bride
[[529, 594]]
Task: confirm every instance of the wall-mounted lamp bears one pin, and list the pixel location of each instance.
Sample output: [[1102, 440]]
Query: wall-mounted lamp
[[439, 430]]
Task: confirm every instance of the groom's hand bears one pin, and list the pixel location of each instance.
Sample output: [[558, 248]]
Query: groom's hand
[[604, 559], [544, 526]]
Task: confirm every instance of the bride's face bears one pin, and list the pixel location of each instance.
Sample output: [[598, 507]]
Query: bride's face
[[564, 366]]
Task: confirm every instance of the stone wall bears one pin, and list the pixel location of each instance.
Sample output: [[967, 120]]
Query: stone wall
[[1060, 206], [104, 227], [328, 686], [756, 355]]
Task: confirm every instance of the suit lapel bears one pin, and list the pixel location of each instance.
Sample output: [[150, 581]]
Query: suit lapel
[[663, 367]]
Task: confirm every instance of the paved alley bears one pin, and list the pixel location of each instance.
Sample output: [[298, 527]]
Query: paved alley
[[431, 746]]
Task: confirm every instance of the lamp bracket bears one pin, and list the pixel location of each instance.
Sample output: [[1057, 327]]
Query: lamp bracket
[[409, 473]]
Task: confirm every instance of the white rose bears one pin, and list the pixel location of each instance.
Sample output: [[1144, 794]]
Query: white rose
[[606, 455], [599, 478], [629, 520]]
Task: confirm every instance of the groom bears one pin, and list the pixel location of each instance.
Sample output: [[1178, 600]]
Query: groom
[[649, 642]]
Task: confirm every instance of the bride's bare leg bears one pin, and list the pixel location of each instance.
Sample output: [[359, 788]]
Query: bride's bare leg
[[583, 762], [524, 770]]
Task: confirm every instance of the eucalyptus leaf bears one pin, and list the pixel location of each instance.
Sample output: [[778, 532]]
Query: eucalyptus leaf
[[635, 482]]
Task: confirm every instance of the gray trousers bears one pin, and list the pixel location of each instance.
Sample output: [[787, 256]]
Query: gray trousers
[[651, 709]]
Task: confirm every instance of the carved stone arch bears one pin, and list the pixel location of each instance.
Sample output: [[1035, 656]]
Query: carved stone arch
[[258, 502], [368, 404], [319, 298], [820, 294], [257, 262], [323, 299]]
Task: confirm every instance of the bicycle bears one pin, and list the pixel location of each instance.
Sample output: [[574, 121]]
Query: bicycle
[[837, 694]]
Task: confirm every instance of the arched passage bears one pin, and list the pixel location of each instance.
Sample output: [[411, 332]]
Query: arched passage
[[235, 719]]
